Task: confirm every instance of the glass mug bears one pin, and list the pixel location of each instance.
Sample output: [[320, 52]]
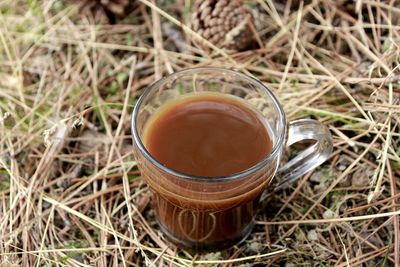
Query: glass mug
[[214, 213]]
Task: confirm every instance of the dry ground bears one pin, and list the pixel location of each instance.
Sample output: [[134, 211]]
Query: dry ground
[[70, 191]]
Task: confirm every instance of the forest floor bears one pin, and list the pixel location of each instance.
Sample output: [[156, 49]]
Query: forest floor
[[70, 190]]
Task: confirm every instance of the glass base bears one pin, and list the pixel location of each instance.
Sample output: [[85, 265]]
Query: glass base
[[207, 246]]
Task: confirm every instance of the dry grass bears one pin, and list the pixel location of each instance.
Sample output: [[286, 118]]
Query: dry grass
[[70, 192]]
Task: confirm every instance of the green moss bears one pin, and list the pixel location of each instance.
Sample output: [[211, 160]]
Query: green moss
[[132, 177], [5, 184], [58, 6], [122, 77]]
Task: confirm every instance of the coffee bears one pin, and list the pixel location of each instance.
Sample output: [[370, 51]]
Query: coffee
[[203, 141], [206, 135]]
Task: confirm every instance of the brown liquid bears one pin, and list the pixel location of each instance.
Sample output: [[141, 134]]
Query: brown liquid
[[207, 135]]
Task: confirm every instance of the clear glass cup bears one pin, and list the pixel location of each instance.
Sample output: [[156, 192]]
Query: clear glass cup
[[200, 213]]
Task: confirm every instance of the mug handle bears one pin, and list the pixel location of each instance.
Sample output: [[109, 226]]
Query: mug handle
[[311, 157]]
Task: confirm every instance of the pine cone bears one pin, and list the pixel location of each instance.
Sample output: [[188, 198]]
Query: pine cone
[[113, 9], [224, 23]]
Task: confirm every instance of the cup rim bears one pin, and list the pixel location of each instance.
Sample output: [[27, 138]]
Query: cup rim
[[275, 150]]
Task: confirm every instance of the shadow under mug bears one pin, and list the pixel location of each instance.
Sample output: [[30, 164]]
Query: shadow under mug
[[202, 213]]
